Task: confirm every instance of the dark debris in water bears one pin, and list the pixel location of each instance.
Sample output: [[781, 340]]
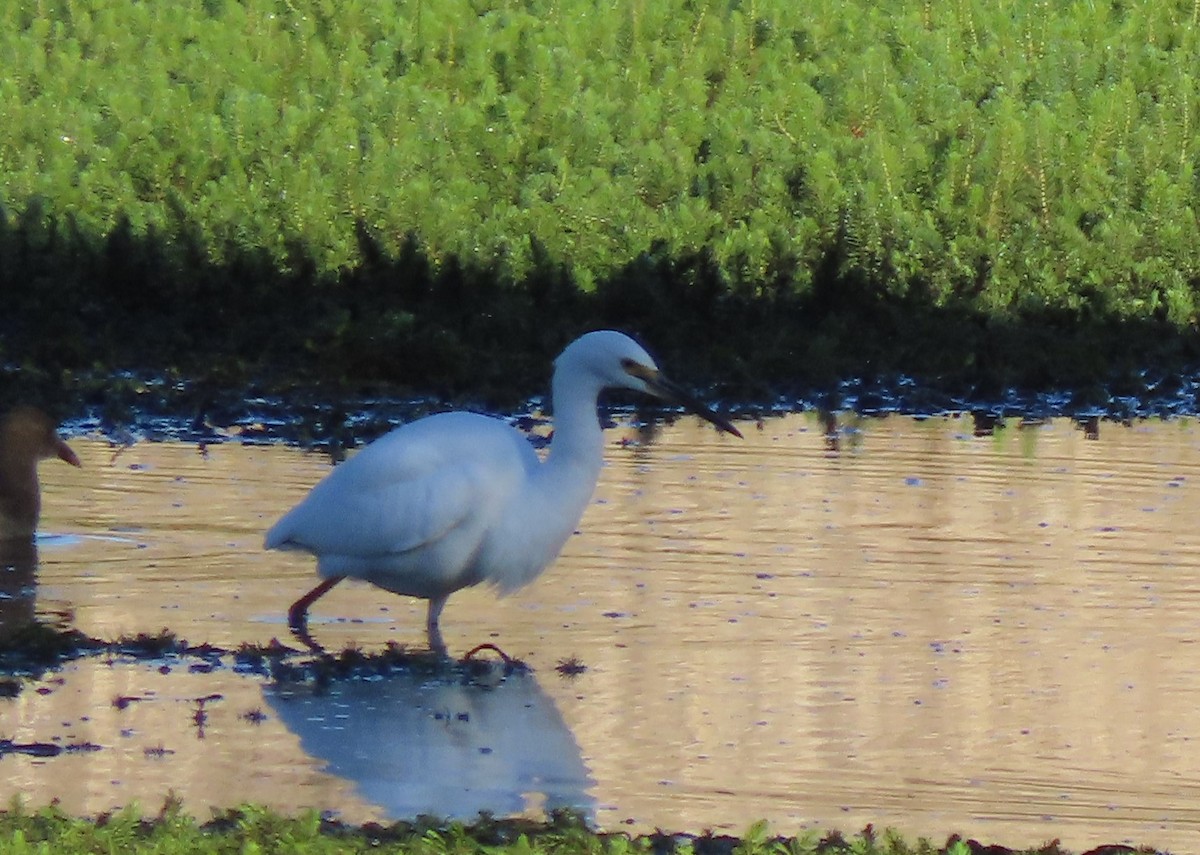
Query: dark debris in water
[[570, 667], [45, 749], [334, 421], [38, 647], [353, 663]]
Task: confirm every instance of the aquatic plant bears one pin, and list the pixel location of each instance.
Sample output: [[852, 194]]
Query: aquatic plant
[[570, 667], [36, 646], [144, 645], [39, 647]]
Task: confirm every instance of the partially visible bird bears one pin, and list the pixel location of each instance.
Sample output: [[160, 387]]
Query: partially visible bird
[[455, 499], [27, 435]]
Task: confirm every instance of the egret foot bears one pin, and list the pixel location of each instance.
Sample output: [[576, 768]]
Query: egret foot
[[487, 645], [298, 624], [298, 613]]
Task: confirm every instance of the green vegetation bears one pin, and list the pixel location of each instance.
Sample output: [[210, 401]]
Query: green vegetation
[[396, 192], [255, 831], [1034, 153]]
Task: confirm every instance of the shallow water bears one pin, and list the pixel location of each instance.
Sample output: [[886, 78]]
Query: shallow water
[[900, 623]]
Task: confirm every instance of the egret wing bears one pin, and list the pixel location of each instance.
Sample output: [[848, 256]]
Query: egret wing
[[406, 490]]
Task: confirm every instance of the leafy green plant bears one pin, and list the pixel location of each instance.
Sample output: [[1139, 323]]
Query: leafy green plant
[[258, 830], [1018, 156]]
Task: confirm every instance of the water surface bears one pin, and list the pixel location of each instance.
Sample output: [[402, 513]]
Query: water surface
[[896, 621]]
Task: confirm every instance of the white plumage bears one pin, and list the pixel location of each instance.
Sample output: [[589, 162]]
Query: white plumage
[[456, 499]]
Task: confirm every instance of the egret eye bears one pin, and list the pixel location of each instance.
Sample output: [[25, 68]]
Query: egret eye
[[635, 369]]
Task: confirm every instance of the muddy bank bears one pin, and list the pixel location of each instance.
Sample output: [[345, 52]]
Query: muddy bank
[[127, 408], [132, 329]]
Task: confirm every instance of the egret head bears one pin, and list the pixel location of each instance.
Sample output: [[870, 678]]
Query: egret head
[[618, 361]]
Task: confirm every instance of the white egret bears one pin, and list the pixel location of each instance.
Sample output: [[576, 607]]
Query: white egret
[[27, 435], [455, 499]]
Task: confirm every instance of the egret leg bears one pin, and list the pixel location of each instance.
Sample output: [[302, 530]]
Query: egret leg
[[432, 631], [298, 613]]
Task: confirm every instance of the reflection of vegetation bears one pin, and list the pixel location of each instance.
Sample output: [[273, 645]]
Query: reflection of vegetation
[[257, 830], [223, 188]]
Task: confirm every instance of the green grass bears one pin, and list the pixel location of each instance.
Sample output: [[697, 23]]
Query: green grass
[[280, 196], [256, 831], [1010, 154]]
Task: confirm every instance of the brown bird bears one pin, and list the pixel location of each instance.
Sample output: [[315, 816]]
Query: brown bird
[[27, 435]]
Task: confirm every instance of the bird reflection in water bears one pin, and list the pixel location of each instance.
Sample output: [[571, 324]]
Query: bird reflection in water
[[449, 746], [829, 424], [985, 423]]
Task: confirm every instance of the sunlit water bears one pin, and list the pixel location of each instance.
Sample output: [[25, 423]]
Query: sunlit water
[[909, 625]]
